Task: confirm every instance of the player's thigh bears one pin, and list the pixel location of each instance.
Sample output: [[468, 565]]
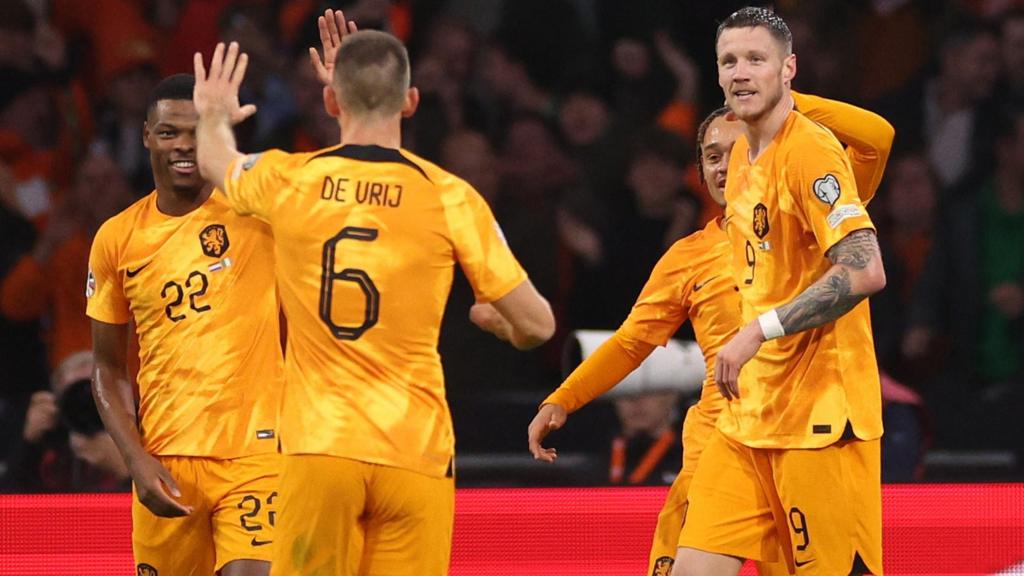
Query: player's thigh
[[409, 524], [832, 503], [729, 512], [318, 528], [181, 545], [670, 523], [698, 428], [246, 512]]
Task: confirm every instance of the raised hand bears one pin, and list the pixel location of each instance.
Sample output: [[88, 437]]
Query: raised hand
[[216, 94], [333, 29]]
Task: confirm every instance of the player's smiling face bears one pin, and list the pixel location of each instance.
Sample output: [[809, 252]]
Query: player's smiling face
[[753, 70], [718, 140], [170, 136]]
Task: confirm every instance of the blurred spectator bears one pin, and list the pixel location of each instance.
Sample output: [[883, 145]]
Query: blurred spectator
[[512, 89], [105, 37], [29, 134], [906, 437], [122, 116], [640, 85], [45, 461], [905, 216], [22, 357], [951, 115], [487, 364], [310, 127], [647, 449], [266, 84], [17, 25], [595, 139], [892, 44], [468, 155], [49, 282], [536, 172], [972, 289], [822, 40], [1012, 44], [444, 76], [662, 211], [550, 40]]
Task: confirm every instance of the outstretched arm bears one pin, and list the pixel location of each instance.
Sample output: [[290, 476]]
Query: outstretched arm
[[216, 100], [867, 135], [600, 372]]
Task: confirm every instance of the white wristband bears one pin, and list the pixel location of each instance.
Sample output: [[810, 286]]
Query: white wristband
[[771, 326]]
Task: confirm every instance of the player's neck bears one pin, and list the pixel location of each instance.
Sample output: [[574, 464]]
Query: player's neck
[[386, 133], [173, 203], [762, 131]]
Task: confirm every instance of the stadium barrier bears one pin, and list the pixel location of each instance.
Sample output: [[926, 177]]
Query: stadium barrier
[[929, 529]]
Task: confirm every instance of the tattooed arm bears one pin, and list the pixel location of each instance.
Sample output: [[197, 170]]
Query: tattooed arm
[[856, 273]]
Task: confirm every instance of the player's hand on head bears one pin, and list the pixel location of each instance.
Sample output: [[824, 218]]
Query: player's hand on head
[[550, 417], [156, 488], [731, 358], [216, 92], [333, 29]]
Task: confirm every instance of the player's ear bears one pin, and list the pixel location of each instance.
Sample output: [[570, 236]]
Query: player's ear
[[789, 69], [145, 133], [412, 101], [331, 102]]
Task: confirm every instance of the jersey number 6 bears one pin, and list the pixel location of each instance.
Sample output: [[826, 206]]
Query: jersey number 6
[[360, 277]]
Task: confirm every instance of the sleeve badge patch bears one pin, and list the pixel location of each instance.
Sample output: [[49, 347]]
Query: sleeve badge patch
[[250, 161], [90, 284], [840, 213], [827, 189]]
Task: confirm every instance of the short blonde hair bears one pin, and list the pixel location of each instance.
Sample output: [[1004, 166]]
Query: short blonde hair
[[371, 73]]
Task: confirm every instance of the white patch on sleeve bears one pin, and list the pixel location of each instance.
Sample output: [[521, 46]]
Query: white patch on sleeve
[[90, 284], [827, 189], [840, 213]]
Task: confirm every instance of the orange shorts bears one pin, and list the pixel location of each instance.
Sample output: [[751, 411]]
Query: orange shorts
[[822, 506], [233, 505], [698, 427], [349, 518]]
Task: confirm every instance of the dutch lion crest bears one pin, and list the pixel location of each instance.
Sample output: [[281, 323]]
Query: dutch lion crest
[[214, 240]]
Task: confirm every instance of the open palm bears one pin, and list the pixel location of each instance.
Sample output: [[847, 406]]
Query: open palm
[[216, 93], [333, 29]]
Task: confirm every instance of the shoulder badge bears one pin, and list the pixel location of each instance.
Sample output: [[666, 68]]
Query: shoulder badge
[[827, 189]]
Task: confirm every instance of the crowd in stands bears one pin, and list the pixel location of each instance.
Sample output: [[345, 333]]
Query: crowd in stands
[[576, 120]]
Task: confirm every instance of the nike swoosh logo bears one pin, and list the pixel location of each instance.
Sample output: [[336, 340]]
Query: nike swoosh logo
[[256, 542], [704, 283], [133, 273], [798, 563]]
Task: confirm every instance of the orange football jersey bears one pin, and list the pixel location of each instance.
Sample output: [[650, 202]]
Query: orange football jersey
[[366, 240], [691, 282], [200, 288], [784, 211]]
